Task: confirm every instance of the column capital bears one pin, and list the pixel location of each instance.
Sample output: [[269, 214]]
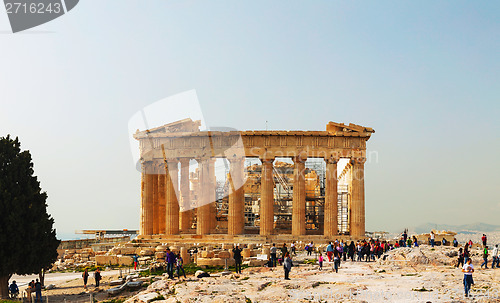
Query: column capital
[[301, 157], [184, 160], [358, 160], [171, 160], [266, 159], [332, 160], [235, 159], [148, 167]]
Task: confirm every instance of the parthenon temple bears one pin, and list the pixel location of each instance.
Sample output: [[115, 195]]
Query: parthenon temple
[[227, 184]]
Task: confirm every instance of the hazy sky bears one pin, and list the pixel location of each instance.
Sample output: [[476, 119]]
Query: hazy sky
[[424, 74]]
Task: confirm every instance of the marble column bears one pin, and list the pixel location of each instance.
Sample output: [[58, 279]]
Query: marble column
[[143, 199], [212, 194], [162, 179], [331, 198], [203, 210], [147, 199], [267, 198], [357, 218], [186, 215], [156, 210], [172, 205], [299, 197], [236, 214]]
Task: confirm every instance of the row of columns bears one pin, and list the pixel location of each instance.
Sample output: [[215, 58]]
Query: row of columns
[[160, 207]]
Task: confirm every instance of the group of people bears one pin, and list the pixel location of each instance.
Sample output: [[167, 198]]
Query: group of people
[[274, 255], [365, 250], [33, 286], [174, 261], [97, 277], [465, 261]]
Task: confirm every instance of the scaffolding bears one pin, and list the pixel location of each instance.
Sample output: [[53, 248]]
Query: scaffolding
[[343, 209], [283, 199]]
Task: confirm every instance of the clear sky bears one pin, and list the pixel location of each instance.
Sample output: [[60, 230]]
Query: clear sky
[[424, 74]]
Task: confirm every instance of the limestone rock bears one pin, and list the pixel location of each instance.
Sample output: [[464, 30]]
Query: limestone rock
[[146, 252]]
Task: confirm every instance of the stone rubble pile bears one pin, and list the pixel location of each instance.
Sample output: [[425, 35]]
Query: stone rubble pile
[[72, 258]]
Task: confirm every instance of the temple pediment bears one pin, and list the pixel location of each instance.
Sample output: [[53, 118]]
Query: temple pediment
[[184, 125], [333, 127]]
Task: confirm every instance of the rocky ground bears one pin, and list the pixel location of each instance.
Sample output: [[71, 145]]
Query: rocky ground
[[405, 275]]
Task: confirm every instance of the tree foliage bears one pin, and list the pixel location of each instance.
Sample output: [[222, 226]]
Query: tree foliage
[[28, 240]]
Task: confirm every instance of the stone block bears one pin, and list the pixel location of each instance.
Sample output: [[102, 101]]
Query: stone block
[[160, 255], [207, 254], [115, 251], [246, 253], [106, 260], [146, 252], [255, 262], [125, 261], [128, 250], [185, 256], [161, 248], [210, 262]]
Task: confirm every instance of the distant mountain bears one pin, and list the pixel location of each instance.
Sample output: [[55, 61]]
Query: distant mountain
[[477, 227]]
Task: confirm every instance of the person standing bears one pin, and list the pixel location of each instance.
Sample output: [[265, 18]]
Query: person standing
[[494, 255], [170, 259], [273, 251], [320, 261], [97, 277], [340, 251], [136, 261], [329, 252], [85, 277], [237, 259], [292, 249], [352, 248], [30, 289], [485, 258], [466, 252], [284, 250], [460, 261], [433, 238], [336, 260], [468, 269], [360, 251], [38, 291], [287, 265], [455, 242], [179, 266], [310, 248], [344, 251], [484, 239]]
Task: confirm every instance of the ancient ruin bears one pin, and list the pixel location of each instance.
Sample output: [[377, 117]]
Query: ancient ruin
[[182, 200]]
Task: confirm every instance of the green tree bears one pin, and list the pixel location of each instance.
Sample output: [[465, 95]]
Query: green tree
[[28, 242]]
